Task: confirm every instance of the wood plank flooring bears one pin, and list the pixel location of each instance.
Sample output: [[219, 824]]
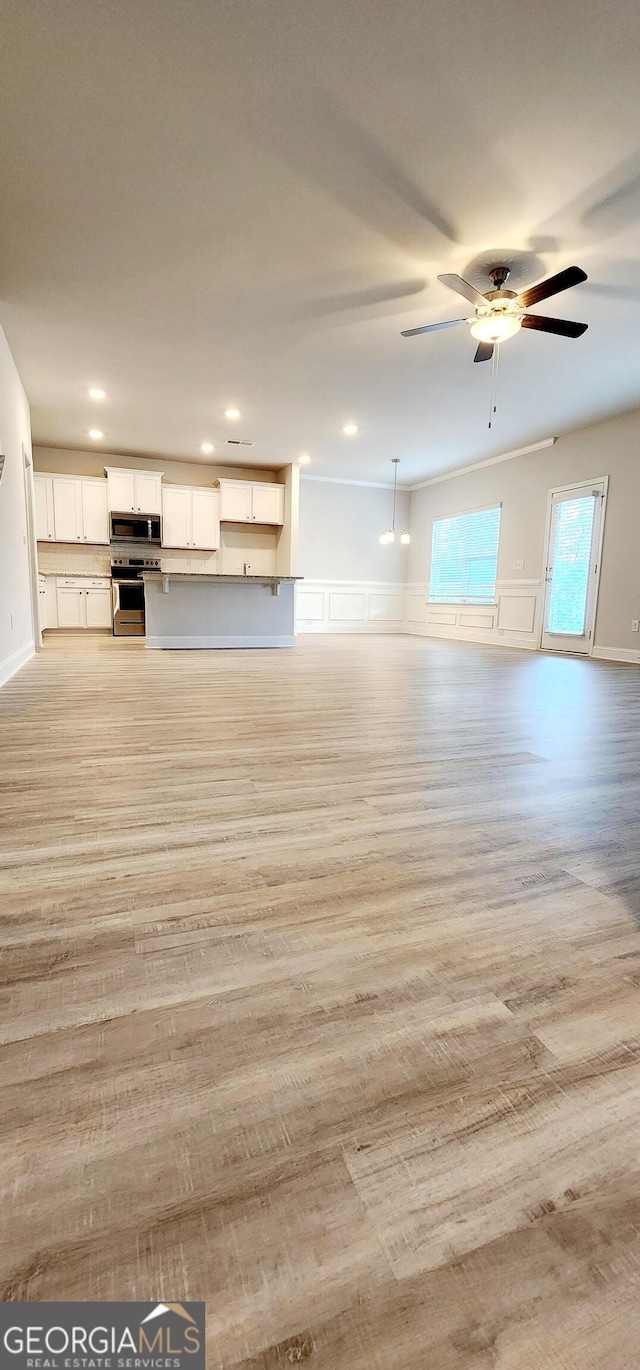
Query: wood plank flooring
[[321, 998]]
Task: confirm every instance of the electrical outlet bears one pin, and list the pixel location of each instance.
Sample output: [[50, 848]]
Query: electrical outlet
[[635, 625], [518, 565]]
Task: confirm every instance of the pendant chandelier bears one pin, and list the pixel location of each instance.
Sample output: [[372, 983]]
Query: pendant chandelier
[[394, 534]]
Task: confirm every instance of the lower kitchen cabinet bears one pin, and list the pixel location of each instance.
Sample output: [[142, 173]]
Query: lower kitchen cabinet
[[98, 607], [47, 598], [84, 603]]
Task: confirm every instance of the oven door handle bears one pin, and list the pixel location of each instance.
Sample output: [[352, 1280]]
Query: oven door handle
[[116, 597]]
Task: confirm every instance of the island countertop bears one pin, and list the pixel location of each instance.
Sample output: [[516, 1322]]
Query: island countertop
[[219, 579], [191, 609]]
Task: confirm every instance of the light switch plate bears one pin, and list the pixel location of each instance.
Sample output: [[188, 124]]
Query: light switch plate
[[518, 565]]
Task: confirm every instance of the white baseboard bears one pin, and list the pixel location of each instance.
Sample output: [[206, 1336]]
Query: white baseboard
[[12, 663], [188, 643], [617, 654], [303, 627]]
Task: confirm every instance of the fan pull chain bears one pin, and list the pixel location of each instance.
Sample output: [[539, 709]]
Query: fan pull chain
[[495, 368]]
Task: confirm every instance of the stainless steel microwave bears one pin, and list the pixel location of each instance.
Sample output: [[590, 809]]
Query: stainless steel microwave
[[135, 528]]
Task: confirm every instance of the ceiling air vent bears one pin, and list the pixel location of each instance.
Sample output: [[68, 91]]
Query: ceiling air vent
[[239, 442]]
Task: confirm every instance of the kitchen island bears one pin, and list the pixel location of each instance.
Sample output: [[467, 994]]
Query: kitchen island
[[189, 610]]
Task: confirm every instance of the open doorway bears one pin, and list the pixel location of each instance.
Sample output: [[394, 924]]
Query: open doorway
[[32, 545]]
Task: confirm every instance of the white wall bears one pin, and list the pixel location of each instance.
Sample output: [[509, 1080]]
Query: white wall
[[610, 448], [16, 621], [351, 583]]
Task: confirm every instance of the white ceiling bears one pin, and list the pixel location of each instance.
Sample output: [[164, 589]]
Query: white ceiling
[[234, 202]]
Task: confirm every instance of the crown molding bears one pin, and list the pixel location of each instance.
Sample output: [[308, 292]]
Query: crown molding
[[341, 480], [489, 461]]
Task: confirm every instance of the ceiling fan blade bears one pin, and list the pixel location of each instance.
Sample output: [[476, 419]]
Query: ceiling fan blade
[[565, 328], [463, 288], [430, 327], [484, 352], [572, 275]]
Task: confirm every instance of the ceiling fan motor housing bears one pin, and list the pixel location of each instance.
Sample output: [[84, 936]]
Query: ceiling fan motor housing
[[499, 275]]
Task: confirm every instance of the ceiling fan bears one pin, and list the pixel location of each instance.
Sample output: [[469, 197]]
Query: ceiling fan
[[501, 313]]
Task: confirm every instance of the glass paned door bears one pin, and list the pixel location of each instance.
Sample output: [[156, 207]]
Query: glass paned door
[[572, 568]]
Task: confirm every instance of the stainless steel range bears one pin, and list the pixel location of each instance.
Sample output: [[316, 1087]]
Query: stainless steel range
[[128, 593]]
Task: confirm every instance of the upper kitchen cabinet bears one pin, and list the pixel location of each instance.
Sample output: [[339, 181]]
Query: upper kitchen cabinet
[[43, 497], [71, 509], [190, 517], [134, 492], [95, 515], [243, 501], [205, 519]]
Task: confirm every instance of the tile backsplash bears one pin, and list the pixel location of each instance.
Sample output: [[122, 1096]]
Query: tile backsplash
[[66, 559]]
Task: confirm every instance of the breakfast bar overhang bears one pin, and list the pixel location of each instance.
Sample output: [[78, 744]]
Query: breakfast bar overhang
[[204, 611]]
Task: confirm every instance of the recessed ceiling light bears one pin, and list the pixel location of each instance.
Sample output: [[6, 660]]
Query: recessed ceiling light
[[350, 429], [97, 394], [206, 447], [95, 433], [304, 459], [232, 413]]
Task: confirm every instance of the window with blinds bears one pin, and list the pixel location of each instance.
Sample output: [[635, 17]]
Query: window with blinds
[[464, 557]]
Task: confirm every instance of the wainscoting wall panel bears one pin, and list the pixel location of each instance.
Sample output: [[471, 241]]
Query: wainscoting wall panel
[[513, 620], [349, 606], [386, 608]]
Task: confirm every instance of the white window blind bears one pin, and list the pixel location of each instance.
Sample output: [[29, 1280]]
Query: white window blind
[[571, 537], [464, 557]]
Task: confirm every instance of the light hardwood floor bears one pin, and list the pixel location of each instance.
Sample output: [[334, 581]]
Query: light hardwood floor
[[321, 998]]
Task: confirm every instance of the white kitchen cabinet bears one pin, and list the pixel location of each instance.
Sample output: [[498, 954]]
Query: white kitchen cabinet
[[148, 492], [70, 608], [134, 492], [190, 517], [98, 607], [67, 510], [83, 602], [235, 501], [48, 608], [205, 519], [243, 501], [71, 509], [43, 495], [95, 515], [267, 503], [175, 516], [120, 492]]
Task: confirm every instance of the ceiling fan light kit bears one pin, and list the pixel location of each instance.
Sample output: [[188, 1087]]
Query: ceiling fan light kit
[[390, 534], [501, 313], [496, 327]]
